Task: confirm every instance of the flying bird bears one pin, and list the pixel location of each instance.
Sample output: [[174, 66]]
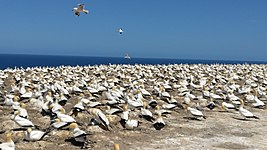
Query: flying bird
[[120, 31], [80, 9]]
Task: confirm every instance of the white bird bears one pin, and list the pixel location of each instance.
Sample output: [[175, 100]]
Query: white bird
[[227, 106], [195, 113], [258, 103], [65, 118], [146, 114], [244, 112], [34, 135], [159, 123], [58, 124], [101, 118], [22, 111], [125, 114], [78, 136], [131, 124], [80, 9], [23, 122], [8, 144], [120, 30]]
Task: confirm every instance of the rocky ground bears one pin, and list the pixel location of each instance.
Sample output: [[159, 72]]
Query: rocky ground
[[221, 130]]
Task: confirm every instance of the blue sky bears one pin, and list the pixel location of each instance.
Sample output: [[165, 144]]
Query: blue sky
[[184, 29]]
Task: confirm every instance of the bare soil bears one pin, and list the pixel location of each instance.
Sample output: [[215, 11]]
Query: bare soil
[[221, 130]]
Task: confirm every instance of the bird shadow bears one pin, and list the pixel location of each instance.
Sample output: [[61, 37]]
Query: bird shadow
[[242, 119], [192, 118]]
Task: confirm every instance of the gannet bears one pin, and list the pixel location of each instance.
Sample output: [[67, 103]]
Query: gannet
[[145, 92], [27, 94], [161, 111], [258, 103], [22, 111], [120, 30], [211, 105], [227, 106], [244, 112], [78, 136], [159, 123], [146, 114], [112, 111], [169, 106], [131, 124], [15, 104], [152, 102], [100, 117], [23, 122], [64, 117], [8, 144], [34, 135], [58, 124], [195, 113], [80, 9], [78, 107]]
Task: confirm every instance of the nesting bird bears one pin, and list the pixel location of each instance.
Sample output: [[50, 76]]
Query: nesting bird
[[78, 136], [22, 122], [159, 123], [100, 118], [196, 114], [244, 112], [34, 135], [8, 144]]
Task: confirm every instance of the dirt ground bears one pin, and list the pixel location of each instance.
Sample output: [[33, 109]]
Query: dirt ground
[[221, 130]]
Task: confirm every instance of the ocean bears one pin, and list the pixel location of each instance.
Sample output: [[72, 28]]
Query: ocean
[[20, 60]]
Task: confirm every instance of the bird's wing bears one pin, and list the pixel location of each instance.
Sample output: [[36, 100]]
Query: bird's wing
[[79, 133], [103, 118], [37, 134], [246, 113]]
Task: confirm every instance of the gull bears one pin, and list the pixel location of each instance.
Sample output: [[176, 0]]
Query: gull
[[80, 9]]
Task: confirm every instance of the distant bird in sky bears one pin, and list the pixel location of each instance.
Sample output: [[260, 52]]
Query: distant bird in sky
[[80, 9], [120, 31]]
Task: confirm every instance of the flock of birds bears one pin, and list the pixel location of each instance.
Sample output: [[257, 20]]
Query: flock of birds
[[129, 93]]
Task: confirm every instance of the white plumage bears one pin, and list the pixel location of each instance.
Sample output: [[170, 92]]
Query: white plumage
[[80, 9]]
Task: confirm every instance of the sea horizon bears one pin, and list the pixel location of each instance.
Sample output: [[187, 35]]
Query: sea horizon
[[43, 60]]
